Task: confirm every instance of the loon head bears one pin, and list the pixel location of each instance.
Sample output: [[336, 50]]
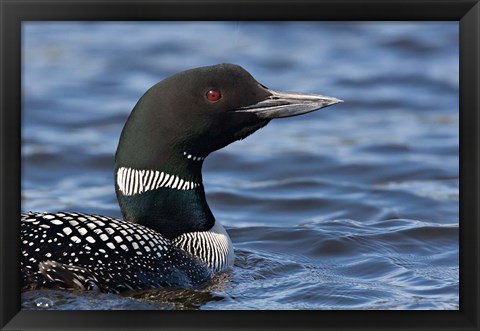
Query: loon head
[[175, 125]]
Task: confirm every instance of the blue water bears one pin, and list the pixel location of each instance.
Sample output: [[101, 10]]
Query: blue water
[[351, 207]]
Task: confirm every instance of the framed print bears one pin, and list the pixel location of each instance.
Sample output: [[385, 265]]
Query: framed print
[[181, 156]]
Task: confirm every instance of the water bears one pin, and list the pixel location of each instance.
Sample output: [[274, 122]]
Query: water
[[351, 207]]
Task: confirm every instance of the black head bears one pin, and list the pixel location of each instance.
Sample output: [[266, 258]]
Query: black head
[[202, 110]]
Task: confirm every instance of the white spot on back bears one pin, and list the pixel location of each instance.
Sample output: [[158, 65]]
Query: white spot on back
[[91, 225], [90, 240], [75, 239]]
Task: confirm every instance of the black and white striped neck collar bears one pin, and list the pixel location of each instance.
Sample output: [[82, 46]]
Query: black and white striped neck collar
[[134, 181]]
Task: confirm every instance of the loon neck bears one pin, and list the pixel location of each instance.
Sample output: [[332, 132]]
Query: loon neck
[[150, 147], [167, 197]]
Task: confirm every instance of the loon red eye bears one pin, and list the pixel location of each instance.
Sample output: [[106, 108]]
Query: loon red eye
[[213, 95]]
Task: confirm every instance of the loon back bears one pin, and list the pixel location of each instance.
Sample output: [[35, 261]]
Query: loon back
[[169, 236], [92, 252]]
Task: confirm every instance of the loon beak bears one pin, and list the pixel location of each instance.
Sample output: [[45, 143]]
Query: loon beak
[[287, 104]]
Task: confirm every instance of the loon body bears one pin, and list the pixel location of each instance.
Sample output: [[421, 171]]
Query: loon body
[[169, 236]]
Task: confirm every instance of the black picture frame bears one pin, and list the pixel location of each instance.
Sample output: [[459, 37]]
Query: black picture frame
[[13, 12]]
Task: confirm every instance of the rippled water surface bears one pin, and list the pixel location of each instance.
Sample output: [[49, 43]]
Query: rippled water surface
[[351, 207]]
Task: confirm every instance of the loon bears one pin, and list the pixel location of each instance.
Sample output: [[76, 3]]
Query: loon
[[168, 236]]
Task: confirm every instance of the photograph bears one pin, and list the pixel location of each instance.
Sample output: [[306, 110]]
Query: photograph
[[240, 165]]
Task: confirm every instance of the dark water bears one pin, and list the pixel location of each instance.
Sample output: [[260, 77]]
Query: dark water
[[351, 207]]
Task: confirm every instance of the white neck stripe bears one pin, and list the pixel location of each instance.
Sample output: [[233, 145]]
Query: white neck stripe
[[132, 181], [193, 157], [213, 247]]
